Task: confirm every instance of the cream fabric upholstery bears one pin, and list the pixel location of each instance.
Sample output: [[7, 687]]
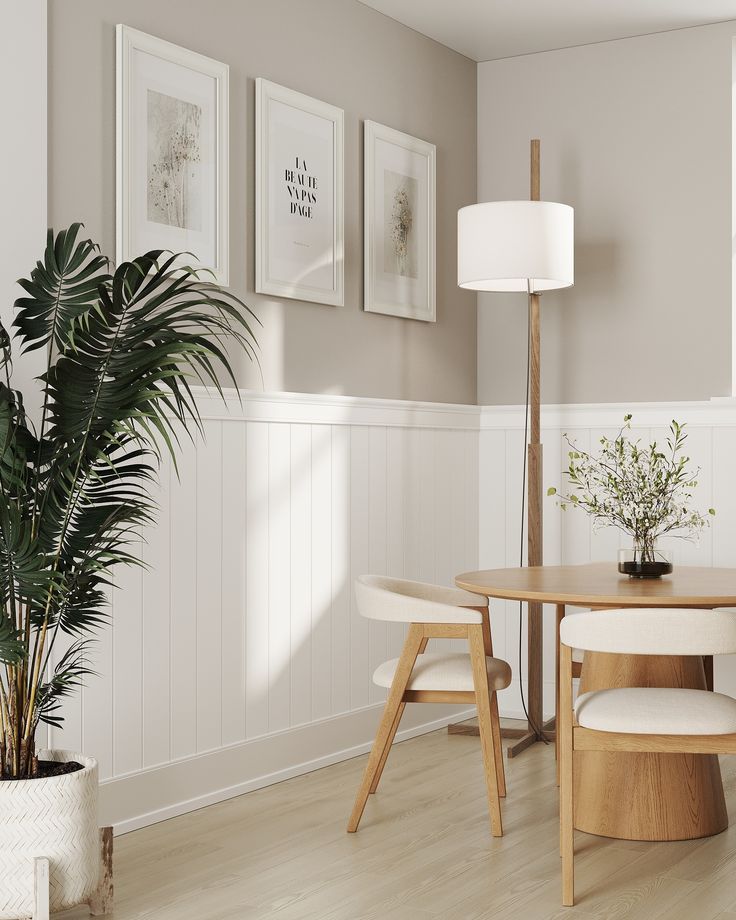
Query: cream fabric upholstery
[[577, 655], [657, 711], [398, 600], [652, 631], [450, 671]]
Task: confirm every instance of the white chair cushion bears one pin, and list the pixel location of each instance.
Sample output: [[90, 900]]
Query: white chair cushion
[[657, 711], [449, 671], [652, 631], [577, 655]]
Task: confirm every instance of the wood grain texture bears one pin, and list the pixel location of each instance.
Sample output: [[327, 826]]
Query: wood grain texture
[[495, 718], [534, 171], [455, 697], [535, 533], [601, 584], [389, 723], [560, 610], [587, 739], [668, 797], [485, 724], [534, 608], [426, 853], [566, 778], [479, 645], [392, 731], [101, 902]]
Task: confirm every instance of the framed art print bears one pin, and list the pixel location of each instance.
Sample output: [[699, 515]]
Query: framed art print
[[399, 214], [299, 196], [172, 152]]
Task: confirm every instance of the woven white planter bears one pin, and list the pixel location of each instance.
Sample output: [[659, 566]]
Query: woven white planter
[[55, 818]]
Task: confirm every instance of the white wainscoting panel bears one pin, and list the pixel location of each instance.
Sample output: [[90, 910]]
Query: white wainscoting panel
[[569, 537], [238, 658]]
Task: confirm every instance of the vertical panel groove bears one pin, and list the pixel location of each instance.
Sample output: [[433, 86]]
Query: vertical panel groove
[[299, 511]]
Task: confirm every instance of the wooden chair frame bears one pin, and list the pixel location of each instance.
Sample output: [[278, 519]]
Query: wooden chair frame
[[574, 737], [484, 697]]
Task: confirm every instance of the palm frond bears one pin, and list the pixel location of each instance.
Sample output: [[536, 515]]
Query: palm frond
[[124, 350], [12, 648], [68, 677], [61, 288]]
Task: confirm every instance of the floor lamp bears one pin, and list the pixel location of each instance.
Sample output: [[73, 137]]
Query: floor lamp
[[523, 246]]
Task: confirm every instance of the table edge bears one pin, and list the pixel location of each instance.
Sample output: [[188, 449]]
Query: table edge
[[611, 600]]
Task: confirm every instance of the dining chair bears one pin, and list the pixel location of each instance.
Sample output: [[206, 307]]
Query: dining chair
[[417, 676], [640, 719]]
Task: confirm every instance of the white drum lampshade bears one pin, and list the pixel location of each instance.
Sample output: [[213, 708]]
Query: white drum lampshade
[[515, 246]]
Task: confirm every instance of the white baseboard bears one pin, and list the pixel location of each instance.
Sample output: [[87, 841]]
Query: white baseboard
[[176, 788]]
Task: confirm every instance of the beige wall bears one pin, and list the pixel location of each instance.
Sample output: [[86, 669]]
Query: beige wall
[[336, 50], [636, 135], [23, 169]]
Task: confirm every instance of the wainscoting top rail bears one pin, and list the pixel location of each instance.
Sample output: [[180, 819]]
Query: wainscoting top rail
[[338, 409], [333, 409], [720, 410]]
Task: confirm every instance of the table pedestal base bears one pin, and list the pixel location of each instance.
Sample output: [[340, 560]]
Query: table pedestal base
[[647, 796], [522, 738]]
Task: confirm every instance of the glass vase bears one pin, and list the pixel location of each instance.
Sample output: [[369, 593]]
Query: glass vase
[[637, 564]]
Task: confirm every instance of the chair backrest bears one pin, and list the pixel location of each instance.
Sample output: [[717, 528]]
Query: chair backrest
[[652, 631], [399, 600]]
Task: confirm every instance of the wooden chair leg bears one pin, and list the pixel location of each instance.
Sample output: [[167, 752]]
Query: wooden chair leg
[[488, 647], [485, 725], [560, 615], [398, 687], [387, 749], [567, 831], [498, 746], [392, 735]]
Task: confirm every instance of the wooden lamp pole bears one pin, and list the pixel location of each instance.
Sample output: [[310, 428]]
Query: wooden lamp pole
[[534, 507], [495, 239]]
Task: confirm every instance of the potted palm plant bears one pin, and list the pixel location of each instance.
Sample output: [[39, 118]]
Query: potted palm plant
[[645, 491], [123, 349]]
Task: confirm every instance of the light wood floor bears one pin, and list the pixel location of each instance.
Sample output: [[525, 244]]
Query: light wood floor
[[424, 851]]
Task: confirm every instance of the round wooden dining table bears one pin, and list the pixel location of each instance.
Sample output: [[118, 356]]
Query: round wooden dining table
[[631, 796]]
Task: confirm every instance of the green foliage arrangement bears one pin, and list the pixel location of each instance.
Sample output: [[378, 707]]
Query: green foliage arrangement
[[123, 348], [645, 491]]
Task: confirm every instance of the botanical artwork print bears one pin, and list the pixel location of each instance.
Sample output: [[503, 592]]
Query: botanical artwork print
[[174, 162], [400, 195]]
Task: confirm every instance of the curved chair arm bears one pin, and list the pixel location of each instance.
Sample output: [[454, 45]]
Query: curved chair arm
[[403, 601]]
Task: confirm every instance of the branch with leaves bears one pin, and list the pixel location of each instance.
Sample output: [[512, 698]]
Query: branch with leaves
[[123, 348], [645, 491]]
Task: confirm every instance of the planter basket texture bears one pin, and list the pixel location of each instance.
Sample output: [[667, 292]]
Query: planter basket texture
[[54, 818]]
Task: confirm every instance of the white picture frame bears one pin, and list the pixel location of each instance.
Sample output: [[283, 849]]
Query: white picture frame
[[300, 212], [172, 137], [399, 217]]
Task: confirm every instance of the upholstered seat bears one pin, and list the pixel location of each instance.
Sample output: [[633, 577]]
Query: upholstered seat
[[657, 711], [447, 671]]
